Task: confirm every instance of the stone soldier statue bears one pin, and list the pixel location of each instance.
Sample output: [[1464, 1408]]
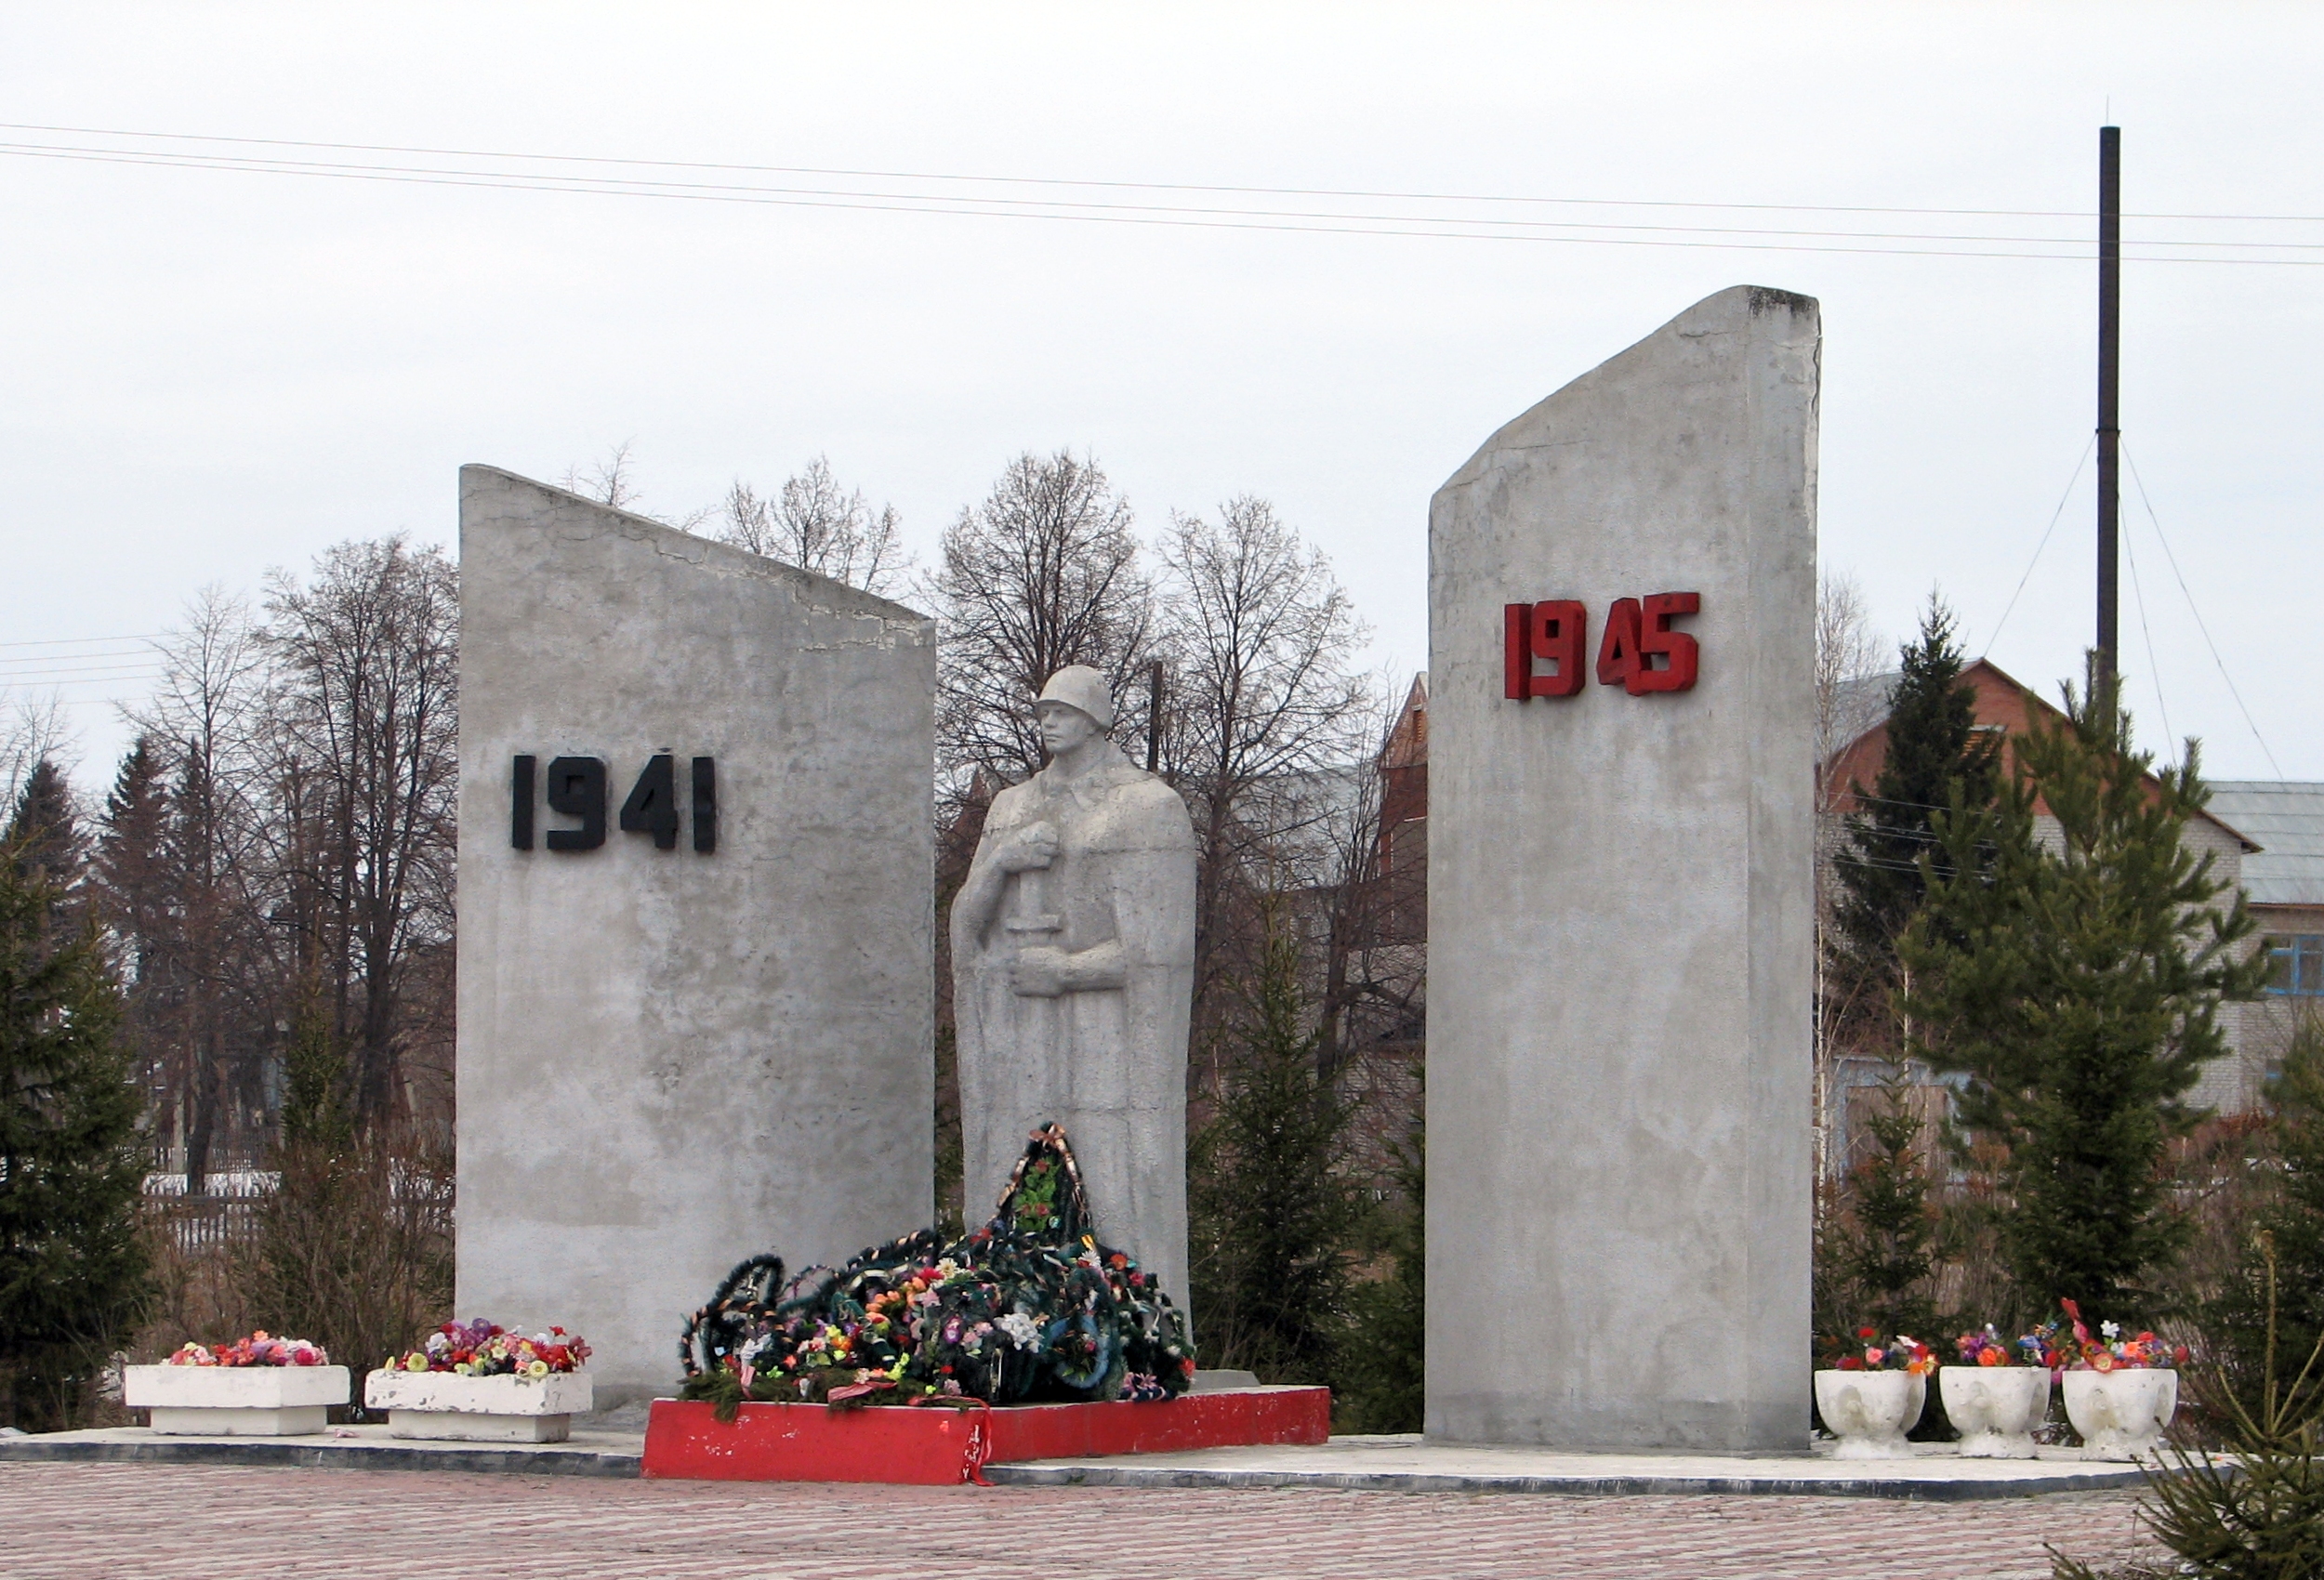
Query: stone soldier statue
[[1072, 951]]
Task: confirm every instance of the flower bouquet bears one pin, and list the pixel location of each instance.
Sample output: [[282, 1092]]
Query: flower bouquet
[[487, 1349], [261, 1348], [479, 1382], [1998, 1395], [1871, 1391], [256, 1387], [2120, 1392]]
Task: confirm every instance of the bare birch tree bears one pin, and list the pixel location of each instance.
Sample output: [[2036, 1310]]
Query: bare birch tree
[[1042, 575], [813, 524]]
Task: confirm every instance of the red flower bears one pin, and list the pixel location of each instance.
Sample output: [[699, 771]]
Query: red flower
[[1850, 1363], [1867, 1333]]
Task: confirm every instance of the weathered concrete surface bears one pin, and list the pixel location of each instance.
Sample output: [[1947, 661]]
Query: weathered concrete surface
[[669, 1059], [1619, 918]]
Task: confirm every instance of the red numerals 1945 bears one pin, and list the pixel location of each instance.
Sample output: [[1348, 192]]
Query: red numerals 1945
[[1638, 650]]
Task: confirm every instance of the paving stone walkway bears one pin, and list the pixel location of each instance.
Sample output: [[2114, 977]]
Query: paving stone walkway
[[206, 1522]]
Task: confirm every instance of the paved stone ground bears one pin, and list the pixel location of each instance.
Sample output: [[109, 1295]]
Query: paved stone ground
[[206, 1522]]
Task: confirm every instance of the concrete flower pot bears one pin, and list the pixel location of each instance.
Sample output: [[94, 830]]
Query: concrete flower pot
[[1997, 1409], [1871, 1411], [448, 1406], [2121, 1413], [254, 1402]]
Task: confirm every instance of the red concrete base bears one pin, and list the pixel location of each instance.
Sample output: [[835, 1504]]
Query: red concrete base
[[925, 1446]]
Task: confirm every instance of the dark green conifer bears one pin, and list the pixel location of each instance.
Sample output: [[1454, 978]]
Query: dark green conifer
[[73, 1266], [2073, 972], [1274, 1217], [1935, 753]]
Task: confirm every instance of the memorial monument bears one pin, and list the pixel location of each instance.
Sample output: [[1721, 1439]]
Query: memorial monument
[[1621, 609], [1073, 949], [696, 934]]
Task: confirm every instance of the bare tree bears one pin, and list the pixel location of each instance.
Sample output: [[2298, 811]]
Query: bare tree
[[201, 989], [813, 524], [1848, 653], [36, 731], [1042, 575], [611, 482], [614, 481], [365, 715], [1265, 702], [1848, 656]]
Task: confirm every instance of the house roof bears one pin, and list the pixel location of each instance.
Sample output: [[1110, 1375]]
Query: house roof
[[2287, 818], [2004, 701]]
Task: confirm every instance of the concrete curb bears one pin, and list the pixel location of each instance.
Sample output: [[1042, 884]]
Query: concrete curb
[[327, 1455], [1926, 1488]]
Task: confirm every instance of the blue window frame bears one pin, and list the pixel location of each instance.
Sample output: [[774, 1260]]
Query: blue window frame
[[2296, 963]]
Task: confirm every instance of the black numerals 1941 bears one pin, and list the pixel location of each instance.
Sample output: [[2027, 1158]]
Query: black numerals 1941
[[575, 788]]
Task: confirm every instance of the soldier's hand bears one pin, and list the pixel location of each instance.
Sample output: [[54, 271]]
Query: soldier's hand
[[1039, 973], [1034, 845]]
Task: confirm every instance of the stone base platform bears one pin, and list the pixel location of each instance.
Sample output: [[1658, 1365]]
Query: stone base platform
[[1377, 1464], [1409, 1463]]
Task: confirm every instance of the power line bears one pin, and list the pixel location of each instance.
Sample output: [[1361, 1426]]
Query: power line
[[2063, 498], [85, 641], [1134, 186], [2156, 523], [2154, 669], [1279, 221]]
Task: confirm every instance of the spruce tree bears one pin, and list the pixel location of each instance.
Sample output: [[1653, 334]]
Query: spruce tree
[[1273, 1219], [43, 836], [1935, 753], [2073, 974], [73, 1266]]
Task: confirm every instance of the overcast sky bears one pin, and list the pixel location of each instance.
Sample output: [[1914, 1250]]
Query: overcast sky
[[212, 372]]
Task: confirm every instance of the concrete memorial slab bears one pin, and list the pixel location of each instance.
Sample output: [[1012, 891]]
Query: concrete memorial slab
[[1621, 604], [696, 943]]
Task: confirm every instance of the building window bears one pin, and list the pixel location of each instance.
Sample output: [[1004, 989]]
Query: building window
[[2296, 963]]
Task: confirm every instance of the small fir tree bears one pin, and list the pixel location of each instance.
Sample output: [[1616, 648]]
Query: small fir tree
[[2074, 975], [1273, 1219], [1936, 755], [1383, 1369], [74, 1280], [2279, 1285], [1886, 1243], [2255, 1511]]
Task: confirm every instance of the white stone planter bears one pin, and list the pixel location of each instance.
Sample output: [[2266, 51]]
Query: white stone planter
[[503, 1409], [1996, 1409], [2121, 1413], [1871, 1411], [240, 1402]]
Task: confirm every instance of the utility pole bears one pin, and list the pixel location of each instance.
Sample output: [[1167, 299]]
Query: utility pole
[[1154, 717], [2109, 393]]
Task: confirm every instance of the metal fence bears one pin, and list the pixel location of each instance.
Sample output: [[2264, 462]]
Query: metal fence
[[225, 1214]]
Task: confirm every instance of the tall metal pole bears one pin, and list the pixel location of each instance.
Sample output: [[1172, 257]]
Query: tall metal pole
[[1154, 717], [2109, 392]]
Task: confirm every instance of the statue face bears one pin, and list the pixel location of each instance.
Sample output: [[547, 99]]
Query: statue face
[[1063, 728]]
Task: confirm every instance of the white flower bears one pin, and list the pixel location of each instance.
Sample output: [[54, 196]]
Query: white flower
[[1023, 1331], [2112, 1330]]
